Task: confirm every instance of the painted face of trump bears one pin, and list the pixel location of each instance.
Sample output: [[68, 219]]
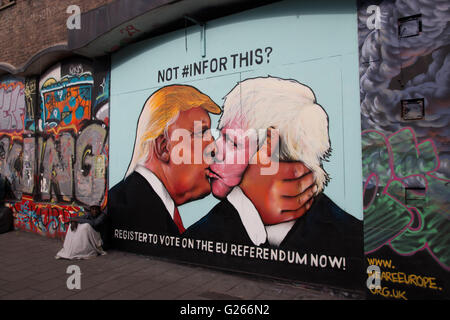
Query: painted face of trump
[[168, 111]]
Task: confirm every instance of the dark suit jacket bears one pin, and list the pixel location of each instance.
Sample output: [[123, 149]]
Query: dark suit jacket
[[324, 229], [133, 205]]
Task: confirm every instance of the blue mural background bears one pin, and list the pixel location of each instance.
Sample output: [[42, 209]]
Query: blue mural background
[[314, 43]]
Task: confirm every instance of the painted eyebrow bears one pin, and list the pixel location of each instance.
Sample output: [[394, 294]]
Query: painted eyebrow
[[205, 127]]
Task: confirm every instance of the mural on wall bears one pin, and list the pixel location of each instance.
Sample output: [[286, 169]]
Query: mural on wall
[[265, 120], [56, 157], [236, 159], [404, 63]]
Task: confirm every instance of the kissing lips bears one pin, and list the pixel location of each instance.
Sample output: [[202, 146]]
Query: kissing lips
[[228, 180], [211, 174]]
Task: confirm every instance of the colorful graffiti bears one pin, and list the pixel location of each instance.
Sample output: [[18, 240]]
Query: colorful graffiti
[[66, 105], [400, 183], [405, 93], [43, 218], [56, 158]]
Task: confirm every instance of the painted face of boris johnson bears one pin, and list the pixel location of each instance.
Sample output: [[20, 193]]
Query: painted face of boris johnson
[[234, 148]]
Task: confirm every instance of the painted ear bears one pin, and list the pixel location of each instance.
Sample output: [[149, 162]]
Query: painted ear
[[272, 140], [270, 145], [161, 149], [268, 148]]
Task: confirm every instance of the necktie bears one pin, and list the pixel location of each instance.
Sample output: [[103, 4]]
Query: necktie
[[177, 220]]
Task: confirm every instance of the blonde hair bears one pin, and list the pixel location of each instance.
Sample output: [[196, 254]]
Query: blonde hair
[[290, 107], [162, 109]]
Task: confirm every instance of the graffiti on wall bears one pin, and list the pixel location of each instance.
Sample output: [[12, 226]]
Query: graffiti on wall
[[57, 161], [10, 152], [30, 92], [404, 62], [12, 105], [43, 218], [74, 141], [66, 105], [398, 208]]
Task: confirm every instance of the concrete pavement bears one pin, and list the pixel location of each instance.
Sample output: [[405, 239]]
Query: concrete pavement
[[28, 270]]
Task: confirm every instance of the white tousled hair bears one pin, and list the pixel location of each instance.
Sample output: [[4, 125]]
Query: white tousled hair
[[290, 107]]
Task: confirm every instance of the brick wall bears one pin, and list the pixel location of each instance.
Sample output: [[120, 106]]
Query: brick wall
[[30, 26]]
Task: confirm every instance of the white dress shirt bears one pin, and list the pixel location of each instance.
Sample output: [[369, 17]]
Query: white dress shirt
[[158, 187], [256, 230]]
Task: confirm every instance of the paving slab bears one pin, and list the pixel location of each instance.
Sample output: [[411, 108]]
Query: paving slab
[[29, 270]]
